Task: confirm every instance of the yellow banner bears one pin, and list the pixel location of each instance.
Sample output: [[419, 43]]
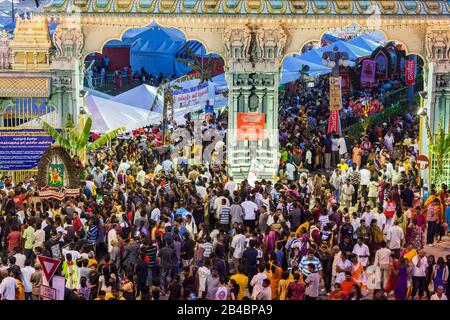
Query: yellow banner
[[335, 93]]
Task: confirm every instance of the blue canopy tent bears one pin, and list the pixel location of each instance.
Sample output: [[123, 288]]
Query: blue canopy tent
[[359, 47], [354, 52], [292, 65], [154, 48], [365, 43], [330, 38]]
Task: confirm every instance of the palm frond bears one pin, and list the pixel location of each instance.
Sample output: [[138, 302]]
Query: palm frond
[[159, 92], [69, 122], [84, 135], [59, 138], [192, 65], [105, 138]]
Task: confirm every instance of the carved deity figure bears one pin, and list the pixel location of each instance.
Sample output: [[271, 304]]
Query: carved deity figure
[[438, 45], [281, 43], [69, 42], [247, 43], [5, 53]]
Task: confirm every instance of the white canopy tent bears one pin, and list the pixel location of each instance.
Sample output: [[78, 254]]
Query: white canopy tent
[[140, 97], [108, 115]]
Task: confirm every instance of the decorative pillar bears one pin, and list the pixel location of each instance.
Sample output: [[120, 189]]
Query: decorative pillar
[[253, 53], [68, 67], [437, 86]]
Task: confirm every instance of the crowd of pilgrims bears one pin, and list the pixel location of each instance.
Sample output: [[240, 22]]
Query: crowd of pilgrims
[[344, 219]]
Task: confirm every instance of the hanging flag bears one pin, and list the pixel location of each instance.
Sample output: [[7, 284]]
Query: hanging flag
[[368, 72], [333, 122], [410, 72]]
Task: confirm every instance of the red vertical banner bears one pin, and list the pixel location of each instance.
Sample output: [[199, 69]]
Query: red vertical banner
[[410, 72], [333, 122]]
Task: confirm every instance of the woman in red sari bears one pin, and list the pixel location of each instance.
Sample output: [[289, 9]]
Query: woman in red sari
[[392, 281]]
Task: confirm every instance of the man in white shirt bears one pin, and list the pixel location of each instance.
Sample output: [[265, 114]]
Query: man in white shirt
[[419, 275], [367, 215], [389, 141], [38, 236], [123, 166], [342, 147], [20, 259], [238, 247], [250, 209], [334, 151], [362, 251], [347, 191], [439, 295], [201, 190], [230, 185], [167, 165], [290, 169], [365, 180], [140, 177], [266, 292], [27, 271], [382, 260], [257, 281], [155, 214], [395, 237], [8, 288]]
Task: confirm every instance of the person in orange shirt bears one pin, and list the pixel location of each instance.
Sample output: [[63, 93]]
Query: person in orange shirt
[[276, 277], [348, 283], [337, 294]]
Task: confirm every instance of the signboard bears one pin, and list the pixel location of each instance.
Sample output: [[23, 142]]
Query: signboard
[[250, 126], [410, 72], [333, 122], [49, 266], [47, 293], [190, 94], [55, 175], [422, 162], [256, 168], [59, 284], [22, 149], [335, 93]]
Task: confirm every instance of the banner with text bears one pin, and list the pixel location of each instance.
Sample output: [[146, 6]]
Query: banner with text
[[335, 93], [192, 93], [334, 123], [256, 168], [23, 148], [250, 126], [410, 69]]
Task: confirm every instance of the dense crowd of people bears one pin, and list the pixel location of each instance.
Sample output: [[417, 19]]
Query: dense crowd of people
[[347, 219]]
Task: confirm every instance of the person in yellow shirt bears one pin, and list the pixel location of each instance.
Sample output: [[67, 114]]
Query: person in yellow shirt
[[115, 294], [283, 285], [342, 165], [242, 280], [92, 262], [101, 295]]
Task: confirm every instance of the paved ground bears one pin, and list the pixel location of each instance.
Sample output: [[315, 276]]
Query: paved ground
[[440, 249]]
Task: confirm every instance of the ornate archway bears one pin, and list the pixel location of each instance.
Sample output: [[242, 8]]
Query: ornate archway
[[253, 36]]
